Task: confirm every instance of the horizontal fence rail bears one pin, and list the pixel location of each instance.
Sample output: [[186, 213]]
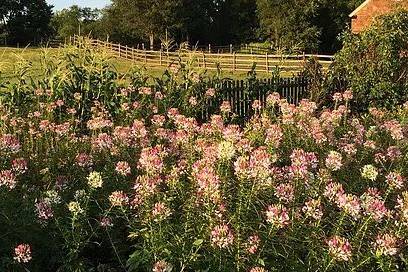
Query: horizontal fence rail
[[245, 48], [211, 61]]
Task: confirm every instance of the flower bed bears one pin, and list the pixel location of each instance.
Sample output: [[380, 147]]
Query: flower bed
[[294, 190]]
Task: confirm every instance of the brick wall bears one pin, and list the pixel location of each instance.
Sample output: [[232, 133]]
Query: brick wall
[[374, 8]]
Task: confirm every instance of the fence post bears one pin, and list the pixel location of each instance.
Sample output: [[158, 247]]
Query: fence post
[[267, 63], [209, 48], [126, 52], [205, 64], [161, 57], [230, 48], [234, 61]]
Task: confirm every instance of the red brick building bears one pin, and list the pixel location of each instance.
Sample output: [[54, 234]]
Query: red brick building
[[365, 14]]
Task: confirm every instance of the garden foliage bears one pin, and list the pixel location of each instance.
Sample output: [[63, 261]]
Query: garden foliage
[[95, 176], [375, 62]]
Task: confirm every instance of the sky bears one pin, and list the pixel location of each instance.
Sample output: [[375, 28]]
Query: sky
[[60, 4]]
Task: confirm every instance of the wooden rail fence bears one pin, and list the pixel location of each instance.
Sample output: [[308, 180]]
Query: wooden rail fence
[[227, 61]]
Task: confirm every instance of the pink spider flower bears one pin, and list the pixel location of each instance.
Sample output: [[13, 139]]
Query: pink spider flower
[[313, 209], [274, 136], [350, 204], [337, 97], [386, 245], [44, 210], [257, 105], [393, 153], [210, 92], [273, 99], [395, 180], [162, 266], [207, 179], [222, 236], [333, 190], [105, 222], [225, 107], [22, 253], [118, 199], [160, 211], [8, 179], [10, 143], [252, 244], [260, 163], [102, 142], [339, 248], [348, 95], [277, 215], [151, 159], [123, 168], [374, 206], [84, 160], [395, 129], [285, 192], [334, 161], [19, 165]]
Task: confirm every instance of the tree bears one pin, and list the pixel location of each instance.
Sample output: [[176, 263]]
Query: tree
[[288, 23], [332, 18], [307, 24], [235, 21], [312, 25], [68, 22], [196, 18], [147, 18], [196, 21], [26, 21]]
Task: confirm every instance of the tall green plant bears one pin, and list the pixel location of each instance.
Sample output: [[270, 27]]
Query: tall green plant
[[375, 62]]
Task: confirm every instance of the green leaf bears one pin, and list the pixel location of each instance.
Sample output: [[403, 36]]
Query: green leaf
[[198, 242]]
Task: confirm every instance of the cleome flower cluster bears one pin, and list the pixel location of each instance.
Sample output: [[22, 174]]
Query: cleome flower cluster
[[295, 189]]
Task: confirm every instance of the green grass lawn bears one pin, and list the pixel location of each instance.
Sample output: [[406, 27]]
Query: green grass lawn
[[13, 58], [10, 58]]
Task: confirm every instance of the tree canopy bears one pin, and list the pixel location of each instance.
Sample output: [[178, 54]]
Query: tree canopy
[[68, 22], [310, 25], [25, 21]]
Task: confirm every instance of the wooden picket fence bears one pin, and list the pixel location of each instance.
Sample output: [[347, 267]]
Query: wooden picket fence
[[265, 63], [242, 93]]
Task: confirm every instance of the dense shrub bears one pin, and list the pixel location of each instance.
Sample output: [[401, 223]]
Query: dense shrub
[[141, 187], [375, 62]]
